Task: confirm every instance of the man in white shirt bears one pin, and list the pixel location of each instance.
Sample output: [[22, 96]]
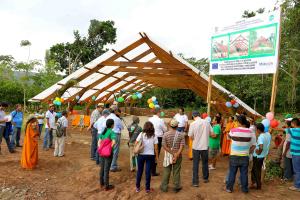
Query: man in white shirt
[[182, 119], [60, 139], [96, 114], [118, 127], [50, 124], [199, 133], [159, 128], [3, 120]]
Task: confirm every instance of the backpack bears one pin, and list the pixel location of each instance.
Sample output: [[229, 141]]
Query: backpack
[[59, 129], [105, 148]]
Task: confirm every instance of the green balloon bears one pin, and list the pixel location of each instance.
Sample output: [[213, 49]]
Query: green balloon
[[134, 97], [120, 99], [162, 114]]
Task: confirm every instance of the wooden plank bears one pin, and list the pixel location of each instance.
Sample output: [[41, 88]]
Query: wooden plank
[[209, 94], [142, 55], [142, 64], [121, 55], [147, 71]]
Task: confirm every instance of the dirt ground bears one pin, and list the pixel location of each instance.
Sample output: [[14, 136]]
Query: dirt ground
[[75, 176]]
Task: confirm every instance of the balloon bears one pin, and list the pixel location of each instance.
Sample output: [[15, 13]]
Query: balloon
[[266, 123], [77, 97], [134, 97], [267, 128], [153, 98], [228, 104], [274, 123], [58, 114], [204, 115], [120, 99], [93, 98], [236, 105], [162, 114], [57, 98], [149, 101], [58, 103], [62, 100], [139, 95], [270, 116], [157, 106], [208, 119], [151, 105], [233, 102], [155, 102]]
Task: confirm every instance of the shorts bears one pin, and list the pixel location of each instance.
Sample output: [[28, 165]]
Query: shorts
[[213, 153]]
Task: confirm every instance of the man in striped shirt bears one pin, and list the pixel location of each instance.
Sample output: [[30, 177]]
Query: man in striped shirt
[[295, 152], [243, 142]]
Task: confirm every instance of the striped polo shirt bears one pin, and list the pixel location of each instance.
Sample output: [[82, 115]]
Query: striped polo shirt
[[295, 141], [241, 141]]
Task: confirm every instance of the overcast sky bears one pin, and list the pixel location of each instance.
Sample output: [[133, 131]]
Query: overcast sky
[[180, 25]]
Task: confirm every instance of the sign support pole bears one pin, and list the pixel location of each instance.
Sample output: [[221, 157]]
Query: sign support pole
[[275, 76], [209, 94]]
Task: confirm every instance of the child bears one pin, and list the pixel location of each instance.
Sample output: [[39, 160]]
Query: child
[[214, 142], [260, 152], [134, 131], [60, 132]]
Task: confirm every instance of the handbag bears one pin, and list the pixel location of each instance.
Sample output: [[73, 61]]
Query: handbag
[[105, 148], [168, 158], [139, 146]]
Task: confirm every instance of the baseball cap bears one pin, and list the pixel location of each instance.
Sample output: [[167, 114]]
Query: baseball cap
[[174, 123], [195, 114], [288, 117], [100, 105], [113, 108], [105, 112], [51, 105]]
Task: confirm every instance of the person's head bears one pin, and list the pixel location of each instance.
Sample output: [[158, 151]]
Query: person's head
[[247, 124], [110, 123], [195, 115], [156, 111], [18, 107], [64, 113], [251, 120], [3, 106], [260, 128], [295, 123], [173, 123], [288, 123], [219, 115], [51, 107], [181, 111], [242, 120], [31, 119], [217, 120], [231, 119], [40, 110], [148, 129], [135, 119], [113, 109], [100, 107], [105, 112]]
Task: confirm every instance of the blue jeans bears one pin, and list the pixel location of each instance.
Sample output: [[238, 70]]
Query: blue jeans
[[235, 163], [149, 159], [48, 139], [180, 129], [94, 143], [288, 168], [6, 137], [197, 155], [15, 138], [296, 166], [41, 129], [114, 163]]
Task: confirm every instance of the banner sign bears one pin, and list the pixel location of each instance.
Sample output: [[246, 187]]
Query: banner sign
[[249, 46]]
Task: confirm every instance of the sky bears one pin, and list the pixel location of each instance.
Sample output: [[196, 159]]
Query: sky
[[183, 26]]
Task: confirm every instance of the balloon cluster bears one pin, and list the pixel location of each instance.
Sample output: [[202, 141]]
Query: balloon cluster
[[58, 101], [94, 97], [153, 102], [206, 117], [232, 103], [270, 121]]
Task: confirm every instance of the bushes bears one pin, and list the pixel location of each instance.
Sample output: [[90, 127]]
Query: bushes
[[273, 170]]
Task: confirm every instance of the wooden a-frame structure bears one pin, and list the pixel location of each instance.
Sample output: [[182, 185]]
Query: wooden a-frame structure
[[140, 66]]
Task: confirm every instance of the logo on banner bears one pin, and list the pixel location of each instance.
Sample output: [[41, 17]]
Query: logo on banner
[[215, 66]]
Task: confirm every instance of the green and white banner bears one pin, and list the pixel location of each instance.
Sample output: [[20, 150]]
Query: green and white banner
[[249, 46]]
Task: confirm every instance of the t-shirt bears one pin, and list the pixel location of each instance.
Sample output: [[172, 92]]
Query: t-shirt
[[2, 117], [265, 140], [95, 116], [17, 118], [287, 139], [182, 119], [295, 141], [108, 134], [200, 129], [214, 143], [118, 126], [100, 124], [241, 141], [51, 117], [148, 143], [135, 130], [41, 121], [159, 125], [168, 140]]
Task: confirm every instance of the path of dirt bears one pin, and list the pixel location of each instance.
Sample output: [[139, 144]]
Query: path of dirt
[[75, 176]]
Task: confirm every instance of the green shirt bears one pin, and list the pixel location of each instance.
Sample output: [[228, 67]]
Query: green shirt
[[214, 143], [108, 134]]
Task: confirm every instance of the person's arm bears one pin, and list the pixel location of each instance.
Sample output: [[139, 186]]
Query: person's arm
[[156, 151], [165, 147], [178, 153], [191, 132], [287, 148], [259, 150]]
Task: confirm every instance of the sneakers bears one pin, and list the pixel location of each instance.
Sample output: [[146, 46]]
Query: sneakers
[[293, 188], [116, 170], [195, 185], [210, 167], [137, 190], [156, 174], [177, 189], [109, 187], [148, 191], [205, 181]]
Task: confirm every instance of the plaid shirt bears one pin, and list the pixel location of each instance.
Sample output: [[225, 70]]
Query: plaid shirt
[[168, 139]]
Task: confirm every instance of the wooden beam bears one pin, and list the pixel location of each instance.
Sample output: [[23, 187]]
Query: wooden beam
[[121, 55], [148, 71], [142, 55], [143, 64]]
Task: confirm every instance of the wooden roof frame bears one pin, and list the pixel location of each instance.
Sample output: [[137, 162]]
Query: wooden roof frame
[[165, 70]]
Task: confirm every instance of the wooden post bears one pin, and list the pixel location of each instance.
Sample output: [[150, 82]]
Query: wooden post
[[209, 93], [275, 76]]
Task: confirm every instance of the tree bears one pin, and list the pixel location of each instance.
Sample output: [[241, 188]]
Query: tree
[[71, 56], [26, 43]]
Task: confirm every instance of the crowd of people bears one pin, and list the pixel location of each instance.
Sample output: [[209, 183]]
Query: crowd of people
[[245, 142]]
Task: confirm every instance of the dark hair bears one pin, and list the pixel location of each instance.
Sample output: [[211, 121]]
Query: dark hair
[[17, 105], [260, 127], [64, 113], [156, 111], [182, 109], [232, 118], [247, 124], [242, 120], [218, 119], [289, 123], [296, 121], [149, 129], [4, 104], [109, 124]]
